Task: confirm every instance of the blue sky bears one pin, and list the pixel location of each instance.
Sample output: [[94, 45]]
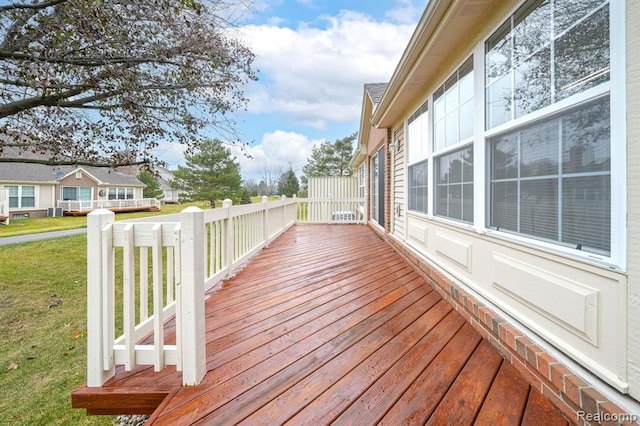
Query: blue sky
[[313, 57]]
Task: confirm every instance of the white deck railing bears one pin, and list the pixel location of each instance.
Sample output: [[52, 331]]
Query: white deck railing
[[156, 272], [89, 205]]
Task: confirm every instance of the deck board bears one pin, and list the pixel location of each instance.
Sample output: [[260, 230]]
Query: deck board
[[329, 324]]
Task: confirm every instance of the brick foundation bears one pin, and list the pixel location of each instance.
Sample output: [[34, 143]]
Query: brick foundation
[[555, 381]]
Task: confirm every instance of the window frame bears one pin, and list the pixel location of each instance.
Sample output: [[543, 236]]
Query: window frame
[[373, 196], [421, 117], [20, 197], [559, 176], [114, 193], [615, 88], [467, 68], [77, 190]]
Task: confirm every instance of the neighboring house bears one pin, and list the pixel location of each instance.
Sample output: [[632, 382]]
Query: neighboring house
[[500, 160], [170, 195], [36, 190]]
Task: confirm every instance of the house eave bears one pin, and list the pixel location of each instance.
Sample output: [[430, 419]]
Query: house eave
[[437, 33]]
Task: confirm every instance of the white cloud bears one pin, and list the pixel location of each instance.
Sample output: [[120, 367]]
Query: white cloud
[[277, 151], [405, 12], [316, 75], [313, 76], [171, 153]]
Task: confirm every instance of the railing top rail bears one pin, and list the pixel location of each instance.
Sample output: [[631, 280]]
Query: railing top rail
[[143, 233]]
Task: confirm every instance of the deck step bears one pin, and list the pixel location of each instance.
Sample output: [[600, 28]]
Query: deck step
[[120, 400]]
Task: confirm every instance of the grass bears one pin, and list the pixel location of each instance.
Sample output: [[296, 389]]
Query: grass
[[43, 351], [44, 343]]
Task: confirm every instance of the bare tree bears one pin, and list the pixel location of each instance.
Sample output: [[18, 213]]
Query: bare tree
[[103, 82], [270, 177]]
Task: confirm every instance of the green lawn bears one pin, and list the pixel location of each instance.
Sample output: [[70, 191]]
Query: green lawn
[[43, 350]]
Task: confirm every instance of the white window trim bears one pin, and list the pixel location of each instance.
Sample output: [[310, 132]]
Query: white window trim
[[616, 88], [428, 156], [36, 196], [618, 93], [467, 142]]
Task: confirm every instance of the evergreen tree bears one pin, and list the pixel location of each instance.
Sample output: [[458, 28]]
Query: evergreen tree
[[331, 159], [209, 175], [152, 188], [288, 183], [245, 198]]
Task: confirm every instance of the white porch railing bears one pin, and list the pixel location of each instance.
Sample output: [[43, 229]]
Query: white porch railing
[[152, 272], [79, 205], [331, 210]]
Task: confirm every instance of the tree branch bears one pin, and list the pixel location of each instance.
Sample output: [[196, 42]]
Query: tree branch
[[86, 62], [32, 6], [71, 162], [25, 104]]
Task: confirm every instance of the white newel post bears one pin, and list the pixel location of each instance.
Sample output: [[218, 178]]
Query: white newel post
[[295, 208], [229, 242], [265, 220], [192, 296], [98, 369]]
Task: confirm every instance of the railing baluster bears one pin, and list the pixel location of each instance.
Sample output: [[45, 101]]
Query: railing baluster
[[144, 283], [170, 275], [158, 305], [129, 296]]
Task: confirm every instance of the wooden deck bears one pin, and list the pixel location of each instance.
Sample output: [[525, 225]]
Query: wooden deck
[[330, 325]]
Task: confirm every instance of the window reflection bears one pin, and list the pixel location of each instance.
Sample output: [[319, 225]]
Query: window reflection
[[551, 180], [454, 187], [548, 51]]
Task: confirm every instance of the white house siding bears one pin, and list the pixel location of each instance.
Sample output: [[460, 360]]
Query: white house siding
[[46, 196], [633, 194], [399, 183], [576, 304]]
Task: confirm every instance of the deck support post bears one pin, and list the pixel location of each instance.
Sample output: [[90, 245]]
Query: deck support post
[[192, 321], [98, 370]]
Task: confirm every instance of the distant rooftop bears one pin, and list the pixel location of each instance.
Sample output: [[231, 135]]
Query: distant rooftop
[[375, 91]]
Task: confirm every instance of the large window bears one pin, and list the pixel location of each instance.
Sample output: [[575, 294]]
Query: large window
[[23, 196], [546, 52], [418, 147], [453, 108], [362, 181], [453, 150], [120, 193], [76, 193], [552, 180], [454, 185]]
